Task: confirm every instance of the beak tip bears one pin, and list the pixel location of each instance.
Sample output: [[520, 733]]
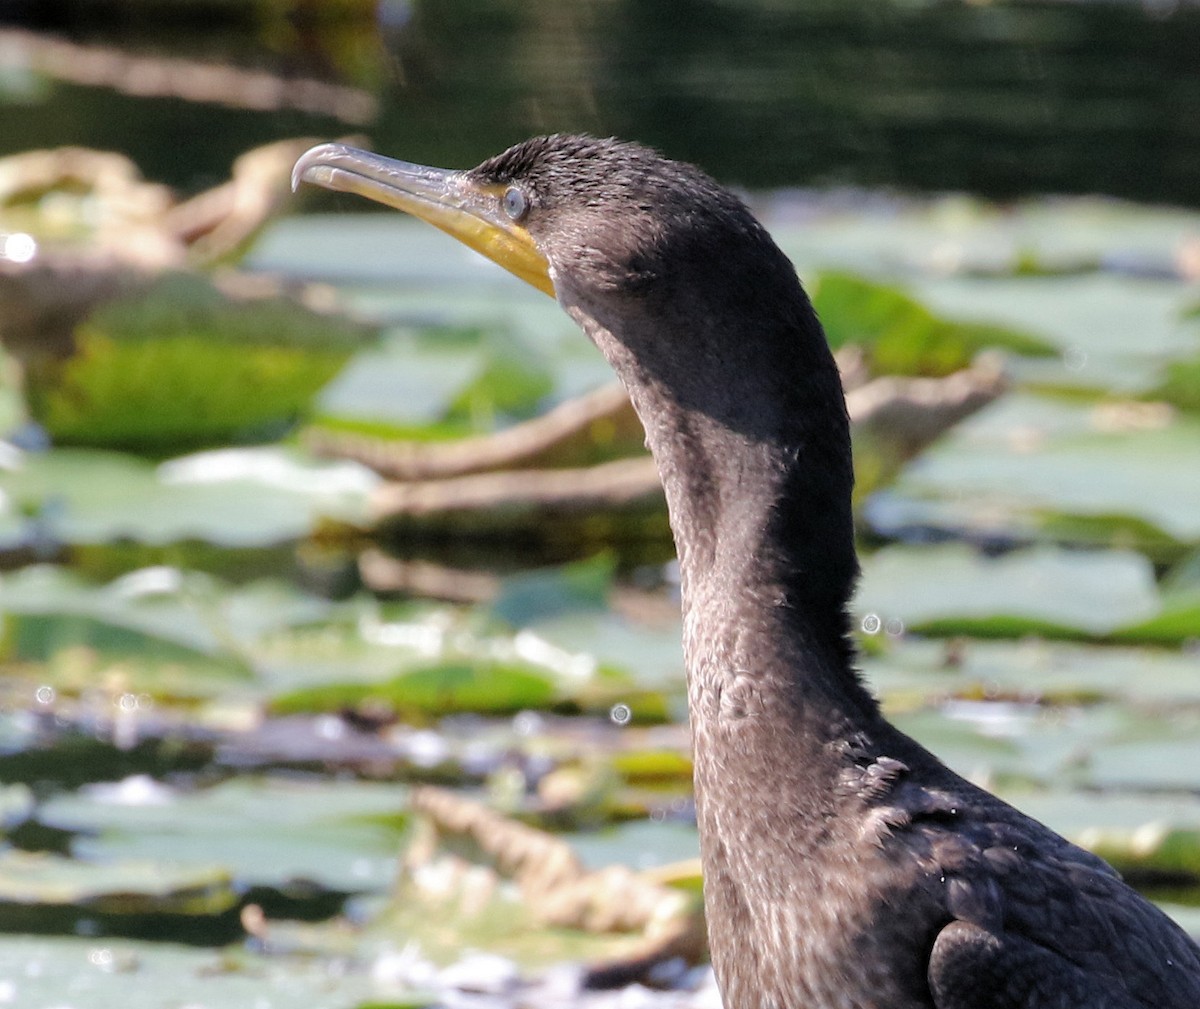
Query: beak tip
[[302, 164], [312, 160]]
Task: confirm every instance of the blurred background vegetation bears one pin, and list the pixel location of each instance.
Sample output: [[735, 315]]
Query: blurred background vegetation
[[302, 512]]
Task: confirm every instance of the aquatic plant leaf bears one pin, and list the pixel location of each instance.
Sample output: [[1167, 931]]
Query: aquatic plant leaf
[[912, 672], [107, 973], [954, 590], [511, 383], [1114, 332], [1180, 385], [902, 336], [438, 689], [241, 497], [543, 595], [264, 831], [181, 366], [40, 892], [1120, 474]]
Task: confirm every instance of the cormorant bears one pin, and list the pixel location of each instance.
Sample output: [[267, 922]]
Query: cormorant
[[845, 867]]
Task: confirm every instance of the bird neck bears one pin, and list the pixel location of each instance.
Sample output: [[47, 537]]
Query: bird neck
[[748, 427]]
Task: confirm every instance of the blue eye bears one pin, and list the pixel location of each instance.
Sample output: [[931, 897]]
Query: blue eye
[[515, 203]]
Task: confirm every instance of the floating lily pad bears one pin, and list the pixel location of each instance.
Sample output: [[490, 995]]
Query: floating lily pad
[[902, 336], [47, 609], [511, 384], [175, 635], [916, 672], [192, 611], [126, 974], [1014, 745], [651, 653], [1086, 473], [960, 235], [180, 365], [1156, 852], [40, 893], [406, 386], [1180, 385], [235, 497], [953, 589], [434, 690], [542, 595], [1114, 332], [263, 831], [432, 292]]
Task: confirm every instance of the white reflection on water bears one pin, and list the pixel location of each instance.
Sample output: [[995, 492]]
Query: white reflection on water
[[270, 467]]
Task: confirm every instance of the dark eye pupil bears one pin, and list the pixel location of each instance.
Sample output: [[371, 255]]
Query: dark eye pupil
[[515, 203]]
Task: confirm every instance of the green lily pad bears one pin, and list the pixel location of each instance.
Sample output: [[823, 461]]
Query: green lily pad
[[512, 382], [47, 893], [405, 385], [234, 497], [1101, 746], [1155, 849], [1115, 332], [181, 366], [127, 974], [130, 888], [1179, 621], [650, 653], [47, 609], [1031, 466], [916, 672], [542, 595], [191, 610], [1162, 756], [954, 590], [437, 689], [449, 314], [179, 636], [902, 336], [262, 831], [964, 236], [1180, 385]]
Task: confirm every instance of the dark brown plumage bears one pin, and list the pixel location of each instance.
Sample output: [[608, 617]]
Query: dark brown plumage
[[845, 866]]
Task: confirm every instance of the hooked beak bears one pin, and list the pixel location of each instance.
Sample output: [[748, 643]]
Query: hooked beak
[[449, 200]]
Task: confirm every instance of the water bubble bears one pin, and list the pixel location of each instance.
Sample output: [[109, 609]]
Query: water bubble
[[527, 723], [44, 694], [871, 623], [330, 727], [621, 714], [102, 958], [18, 247], [894, 627], [1075, 359], [127, 702]]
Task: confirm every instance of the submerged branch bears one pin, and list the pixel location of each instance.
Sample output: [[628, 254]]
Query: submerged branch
[[507, 482], [145, 76], [557, 888]]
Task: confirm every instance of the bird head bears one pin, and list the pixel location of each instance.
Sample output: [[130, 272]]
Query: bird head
[[604, 217]]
